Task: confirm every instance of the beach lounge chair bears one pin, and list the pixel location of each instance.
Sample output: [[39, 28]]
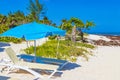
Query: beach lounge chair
[[28, 66], [30, 58]]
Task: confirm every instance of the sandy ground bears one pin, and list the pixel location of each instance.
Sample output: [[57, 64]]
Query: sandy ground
[[97, 37], [104, 65]]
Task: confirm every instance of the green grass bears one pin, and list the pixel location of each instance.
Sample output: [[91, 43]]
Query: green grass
[[66, 50], [85, 45]]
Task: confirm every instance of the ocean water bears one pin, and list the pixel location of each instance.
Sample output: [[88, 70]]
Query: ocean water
[[106, 33], [104, 30]]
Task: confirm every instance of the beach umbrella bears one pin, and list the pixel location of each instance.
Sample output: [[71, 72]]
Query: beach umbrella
[[33, 31]]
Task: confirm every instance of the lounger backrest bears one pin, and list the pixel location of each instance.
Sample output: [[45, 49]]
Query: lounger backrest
[[12, 55]]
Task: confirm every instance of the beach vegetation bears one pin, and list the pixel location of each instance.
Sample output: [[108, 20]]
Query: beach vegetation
[[74, 27], [65, 51], [10, 39], [52, 37], [35, 8], [66, 25], [76, 23]]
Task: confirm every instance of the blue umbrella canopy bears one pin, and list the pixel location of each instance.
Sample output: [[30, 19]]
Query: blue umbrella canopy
[[33, 31]]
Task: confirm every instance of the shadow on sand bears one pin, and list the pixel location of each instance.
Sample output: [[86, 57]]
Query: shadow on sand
[[2, 44], [4, 78], [71, 66], [68, 66]]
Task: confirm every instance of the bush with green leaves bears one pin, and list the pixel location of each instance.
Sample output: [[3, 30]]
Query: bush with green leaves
[[66, 50], [10, 39], [52, 37]]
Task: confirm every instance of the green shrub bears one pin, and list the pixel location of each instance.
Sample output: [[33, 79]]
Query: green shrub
[[10, 39], [52, 37], [67, 37], [66, 50], [85, 45], [78, 38]]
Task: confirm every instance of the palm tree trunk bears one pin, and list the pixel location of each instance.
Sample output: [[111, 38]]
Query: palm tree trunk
[[73, 35]]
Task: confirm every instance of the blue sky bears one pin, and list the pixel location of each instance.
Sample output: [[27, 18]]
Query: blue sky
[[105, 13]]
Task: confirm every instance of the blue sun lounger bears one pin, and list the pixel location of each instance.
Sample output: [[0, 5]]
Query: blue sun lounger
[[30, 58]]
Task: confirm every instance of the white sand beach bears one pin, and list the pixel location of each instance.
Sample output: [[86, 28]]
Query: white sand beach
[[104, 65]]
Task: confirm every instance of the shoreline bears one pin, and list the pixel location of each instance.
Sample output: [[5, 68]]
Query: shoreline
[[106, 34]]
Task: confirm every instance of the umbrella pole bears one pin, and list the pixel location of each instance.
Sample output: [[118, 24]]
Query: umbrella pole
[[58, 45], [27, 44], [35, 50]]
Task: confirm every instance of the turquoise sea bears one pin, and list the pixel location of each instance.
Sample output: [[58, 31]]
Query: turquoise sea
[[106, 33], [104, 30]]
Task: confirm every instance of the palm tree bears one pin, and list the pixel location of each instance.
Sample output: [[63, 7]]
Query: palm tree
[[3, 25], [20, 17], [11, 20], [46, 21], [29, 18], [35, 9]]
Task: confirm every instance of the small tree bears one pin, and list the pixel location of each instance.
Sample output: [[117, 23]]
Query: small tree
[[46, 21], [76, 23], [66, 25], [89, 24]]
